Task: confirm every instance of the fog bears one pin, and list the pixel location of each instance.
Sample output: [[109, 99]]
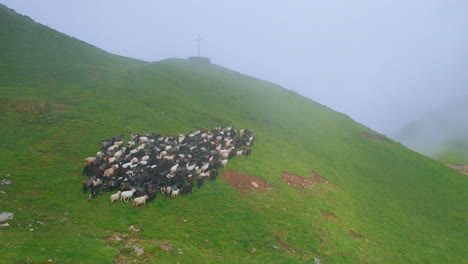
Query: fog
[[384, 63], [438, 129]]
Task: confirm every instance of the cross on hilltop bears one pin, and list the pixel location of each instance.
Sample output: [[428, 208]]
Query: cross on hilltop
[[199, 39]]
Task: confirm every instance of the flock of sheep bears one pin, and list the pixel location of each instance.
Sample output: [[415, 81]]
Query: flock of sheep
[[146, 165]]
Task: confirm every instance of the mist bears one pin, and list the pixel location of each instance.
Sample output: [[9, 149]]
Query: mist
[[383, 63], [435, 132]]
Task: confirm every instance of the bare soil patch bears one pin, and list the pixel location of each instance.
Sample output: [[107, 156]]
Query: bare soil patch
[[373, 136], [298, 182], [283, 245], [245, 183], [459, 167], [328, 215], [354, 234]]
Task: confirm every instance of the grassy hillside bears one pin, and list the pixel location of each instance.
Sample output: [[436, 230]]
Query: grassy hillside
[[384, 203], [441, 134]]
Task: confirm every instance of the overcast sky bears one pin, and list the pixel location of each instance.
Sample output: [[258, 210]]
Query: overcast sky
[[382, 62]]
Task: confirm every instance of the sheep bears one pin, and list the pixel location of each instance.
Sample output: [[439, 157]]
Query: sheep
[[115, 196], [111, 148], [111, 160], [175, 193], [205, 167], [97, 185], [224, 163], [109, 172], [88, 183], [187, 189], [142, 140], [239, 153], [140, 200], [119, 153], [130, 143], [174, 168], [88, 161], [127, 195], [140, 147]]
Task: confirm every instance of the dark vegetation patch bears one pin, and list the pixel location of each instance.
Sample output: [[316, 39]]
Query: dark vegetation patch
[[298, 182], [245, 183], [30, 107]]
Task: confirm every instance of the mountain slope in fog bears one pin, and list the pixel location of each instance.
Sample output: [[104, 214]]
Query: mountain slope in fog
[[441, 134], [338, 191]]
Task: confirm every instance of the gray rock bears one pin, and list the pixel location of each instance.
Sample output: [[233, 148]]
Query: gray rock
[[4, 216], [139, 251]]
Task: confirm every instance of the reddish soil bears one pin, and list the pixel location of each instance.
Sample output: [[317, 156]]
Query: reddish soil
[[283, 245], [245, 183], [354, 234], [328, 215], [459, 167], [373, 136], [298, 182]]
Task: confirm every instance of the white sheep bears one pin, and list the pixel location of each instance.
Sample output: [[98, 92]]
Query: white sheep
[[130, 143], [174, 168], [111, 160], [111, 148], [175, 193], [205, 167], [239, 153], [140, 200], [224, 162], [127, 195], [142, 140], [119, 153], [115, 196]]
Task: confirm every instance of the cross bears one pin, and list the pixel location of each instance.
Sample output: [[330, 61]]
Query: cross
[[199, 39]]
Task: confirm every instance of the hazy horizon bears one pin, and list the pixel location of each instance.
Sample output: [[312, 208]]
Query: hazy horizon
[[384, 64]]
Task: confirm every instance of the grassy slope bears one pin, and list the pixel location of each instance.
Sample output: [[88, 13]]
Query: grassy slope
[[408, 208]]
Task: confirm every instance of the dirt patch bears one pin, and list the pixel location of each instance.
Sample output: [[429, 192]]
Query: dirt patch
[[373, 136], [354, 234], [459, 167], [283, 245], [328, 215], [298, 182], [245, 183]]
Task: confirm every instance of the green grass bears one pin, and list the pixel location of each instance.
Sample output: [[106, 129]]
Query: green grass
[[401, 206]]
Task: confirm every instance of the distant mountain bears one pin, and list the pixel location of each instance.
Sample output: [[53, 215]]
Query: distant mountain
[[441, 134], [318, 186]]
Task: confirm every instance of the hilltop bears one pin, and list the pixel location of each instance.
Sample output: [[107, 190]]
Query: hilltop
[[334, 190]]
